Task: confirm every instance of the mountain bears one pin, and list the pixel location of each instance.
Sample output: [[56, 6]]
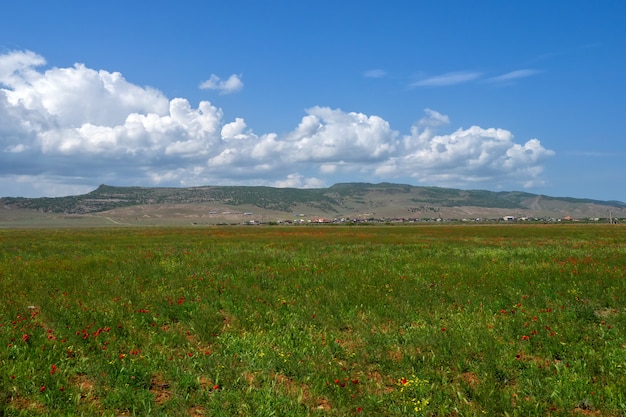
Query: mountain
[[384, 200]]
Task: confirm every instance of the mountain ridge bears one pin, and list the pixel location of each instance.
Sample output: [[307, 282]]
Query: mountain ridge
[[341, 199]]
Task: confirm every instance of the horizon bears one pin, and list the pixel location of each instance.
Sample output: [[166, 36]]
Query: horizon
[[328, 187], [489, 96]]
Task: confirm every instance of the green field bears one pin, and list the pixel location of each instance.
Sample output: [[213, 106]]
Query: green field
[[321, 321]]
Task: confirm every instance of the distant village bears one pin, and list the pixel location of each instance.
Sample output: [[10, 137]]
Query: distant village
[[370, 218]]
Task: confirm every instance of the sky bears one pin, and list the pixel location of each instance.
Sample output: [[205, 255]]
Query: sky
[[491, 95]]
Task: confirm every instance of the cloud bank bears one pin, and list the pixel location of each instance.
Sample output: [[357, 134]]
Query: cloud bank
[[66, 130]]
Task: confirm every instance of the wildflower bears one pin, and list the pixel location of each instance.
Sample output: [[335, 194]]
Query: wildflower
[[25, 337], [525, 337], [420, 404], [53, 369], [42, 388]]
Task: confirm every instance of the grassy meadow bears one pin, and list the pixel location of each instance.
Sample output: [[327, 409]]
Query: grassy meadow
[[517, 320]]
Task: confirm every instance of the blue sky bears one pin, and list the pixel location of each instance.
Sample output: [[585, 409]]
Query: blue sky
[[496, 95]]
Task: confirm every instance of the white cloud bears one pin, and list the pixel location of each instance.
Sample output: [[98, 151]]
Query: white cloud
[[328, 168], [231, 85], [49, 185], [234, 130], [461, 77], [17, 65], [450, 78], [514, 75], [467, 155], [69, 129], [298, 181], [433, 119], [74, 96], [328, 135]]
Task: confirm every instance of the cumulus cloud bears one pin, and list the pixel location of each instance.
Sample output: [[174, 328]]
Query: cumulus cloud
[[67, 130], [234, 130], [229, 86], [468, 155], [17, 65], [76, 95], [332, 134]]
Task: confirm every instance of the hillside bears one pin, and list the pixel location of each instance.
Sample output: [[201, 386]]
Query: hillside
[[384, 200]]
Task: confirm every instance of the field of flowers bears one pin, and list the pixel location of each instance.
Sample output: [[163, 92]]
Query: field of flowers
[[329, 321]]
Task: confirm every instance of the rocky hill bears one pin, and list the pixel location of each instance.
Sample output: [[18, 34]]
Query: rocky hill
[[346, 200]]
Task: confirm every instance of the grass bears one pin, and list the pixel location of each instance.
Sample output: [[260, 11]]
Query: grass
[[298, 321]]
